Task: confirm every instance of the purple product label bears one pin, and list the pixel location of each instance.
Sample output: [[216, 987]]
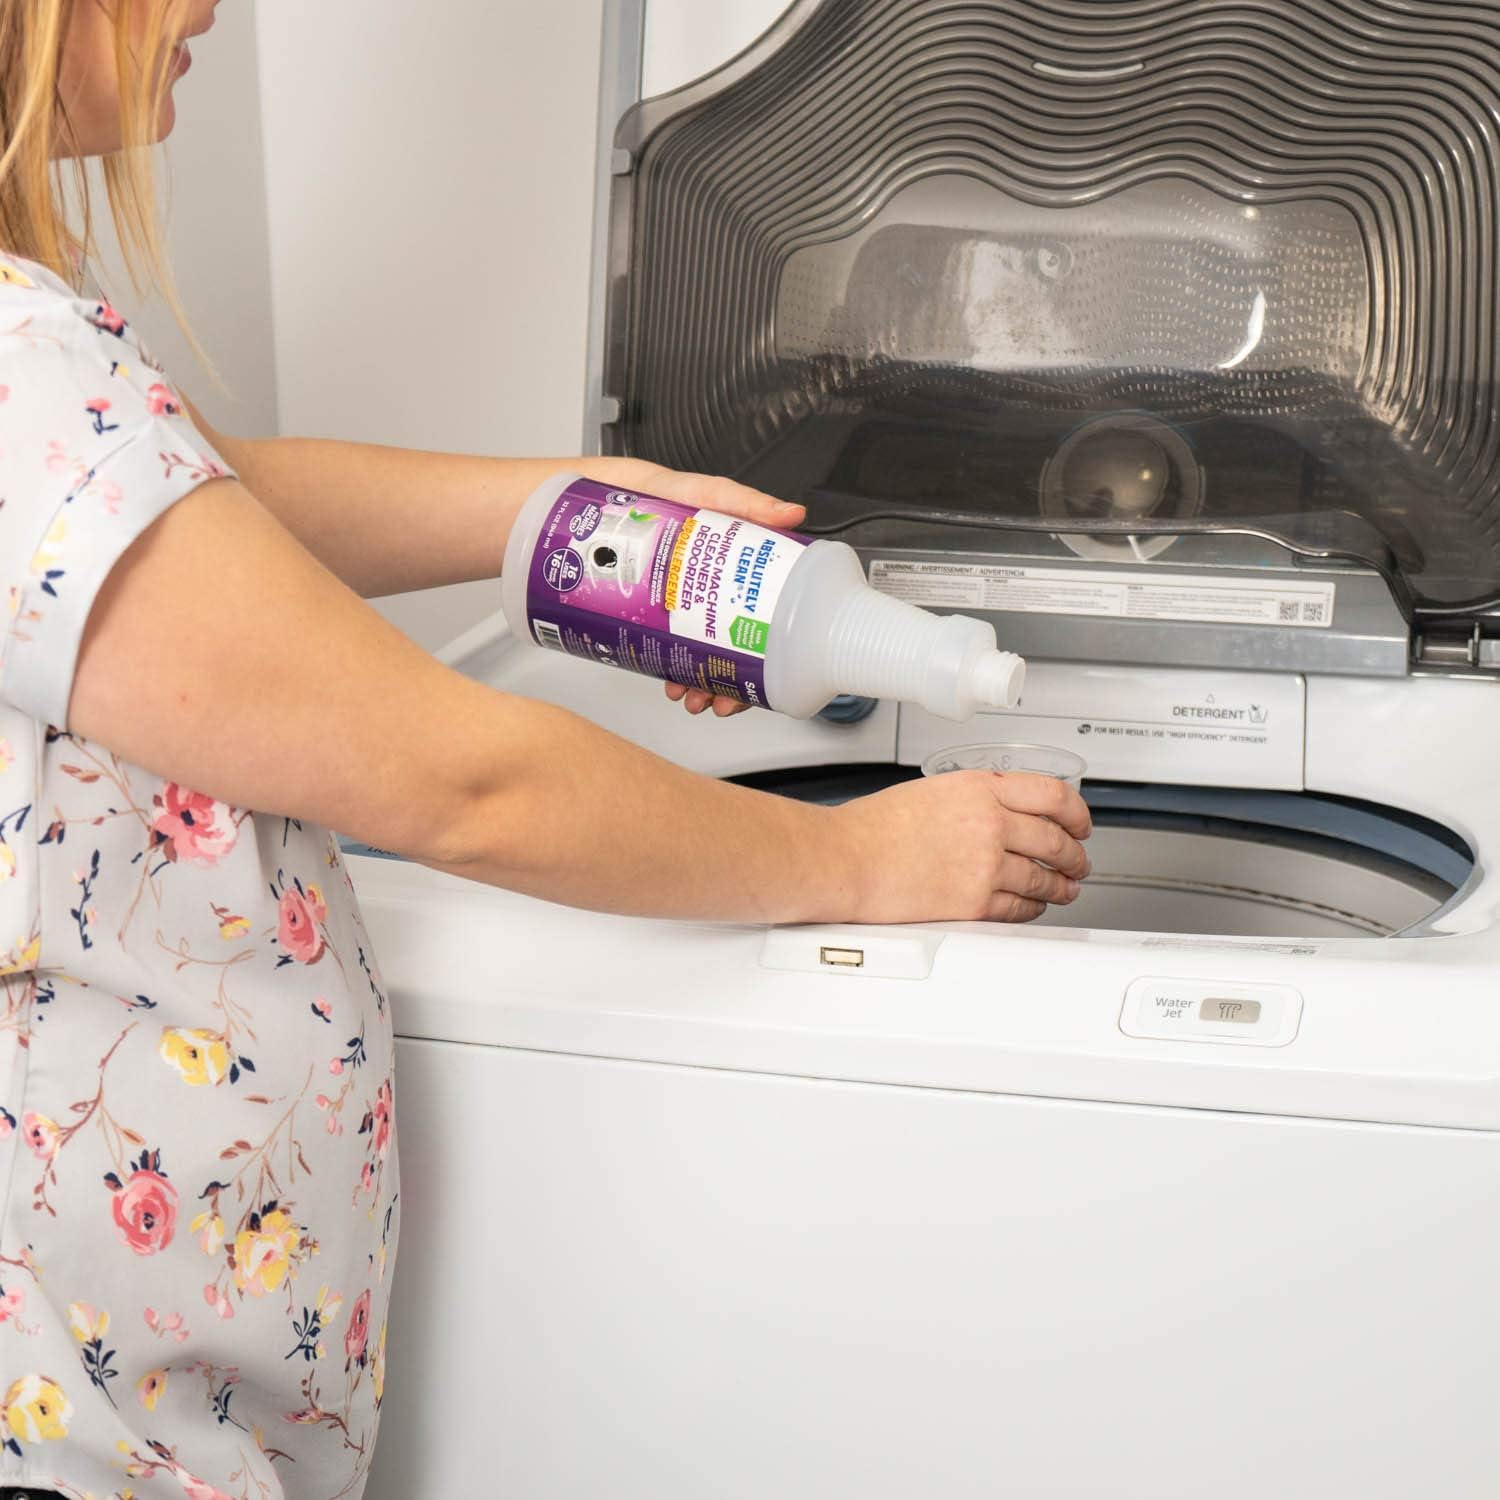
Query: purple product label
[[662, 589]]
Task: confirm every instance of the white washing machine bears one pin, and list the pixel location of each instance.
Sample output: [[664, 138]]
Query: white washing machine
[[1163, 335], [617, 553]]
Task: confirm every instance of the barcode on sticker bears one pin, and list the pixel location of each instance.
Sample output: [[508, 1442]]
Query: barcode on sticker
[[1289, 609], [548, 635], [1314, 611]]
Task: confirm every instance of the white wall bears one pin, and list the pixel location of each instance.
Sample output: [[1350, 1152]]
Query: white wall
[[382, 219], [431, 205], [687, 38], [217, 235]]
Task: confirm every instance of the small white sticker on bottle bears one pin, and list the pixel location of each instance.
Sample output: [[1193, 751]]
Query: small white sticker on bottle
[[1196, 597]]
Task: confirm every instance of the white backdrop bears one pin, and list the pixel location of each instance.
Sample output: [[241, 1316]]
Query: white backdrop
[[688, 38], [431, 204], [218, 233], [382, 219]]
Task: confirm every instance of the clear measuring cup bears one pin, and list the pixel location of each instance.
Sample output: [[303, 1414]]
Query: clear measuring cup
[[1037, 760]]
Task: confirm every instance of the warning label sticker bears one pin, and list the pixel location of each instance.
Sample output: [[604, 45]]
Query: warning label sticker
[[1120, 595]]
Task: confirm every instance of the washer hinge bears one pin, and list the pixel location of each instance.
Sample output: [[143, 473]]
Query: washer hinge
[[1457, 648]]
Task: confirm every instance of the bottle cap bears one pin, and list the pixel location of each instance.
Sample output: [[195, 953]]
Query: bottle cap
[[998, 679]]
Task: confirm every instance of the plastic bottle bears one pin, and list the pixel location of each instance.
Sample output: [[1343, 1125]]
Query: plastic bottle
[[737, 609]]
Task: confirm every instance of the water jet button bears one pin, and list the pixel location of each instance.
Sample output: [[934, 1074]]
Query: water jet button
[[1210, 1010], [1233, 1012]]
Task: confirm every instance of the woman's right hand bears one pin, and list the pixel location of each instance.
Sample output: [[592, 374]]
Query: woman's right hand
[[264, 682], [971, 845]]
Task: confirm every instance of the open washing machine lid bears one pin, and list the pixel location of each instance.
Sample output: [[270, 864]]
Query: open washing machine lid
[[1199, 289]]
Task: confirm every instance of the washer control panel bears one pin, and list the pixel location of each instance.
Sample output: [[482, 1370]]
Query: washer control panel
[[1211, 1010]]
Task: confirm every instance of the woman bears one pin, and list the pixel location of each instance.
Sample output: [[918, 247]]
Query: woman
[[195, 1049]]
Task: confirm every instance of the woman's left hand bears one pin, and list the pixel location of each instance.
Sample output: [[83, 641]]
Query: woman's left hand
[[714, 492]]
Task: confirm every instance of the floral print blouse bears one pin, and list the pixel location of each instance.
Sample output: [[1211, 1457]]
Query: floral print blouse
[[196, 1138]]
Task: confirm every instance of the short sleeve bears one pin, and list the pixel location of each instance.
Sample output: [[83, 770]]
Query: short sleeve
[[95, 445]]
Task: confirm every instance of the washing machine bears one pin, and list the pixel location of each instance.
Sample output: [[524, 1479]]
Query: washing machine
[[1163, 334], [617, 553]]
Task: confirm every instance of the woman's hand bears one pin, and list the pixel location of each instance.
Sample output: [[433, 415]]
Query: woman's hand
[[973, 845], [359, 729], [714, 492]]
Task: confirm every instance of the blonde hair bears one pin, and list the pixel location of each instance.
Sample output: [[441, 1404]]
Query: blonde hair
[[38, 144]]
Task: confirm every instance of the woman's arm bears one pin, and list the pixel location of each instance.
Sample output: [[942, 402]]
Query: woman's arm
[[389, 520], [223, 655]]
